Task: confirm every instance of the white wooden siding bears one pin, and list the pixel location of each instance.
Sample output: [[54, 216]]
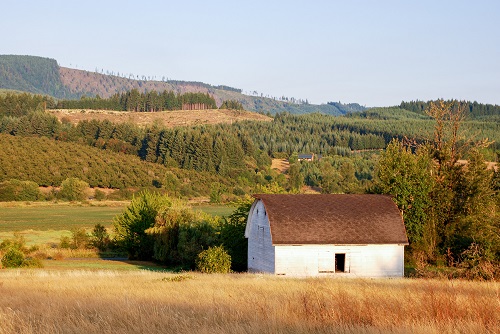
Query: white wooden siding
[[260, 246], [360, 261]]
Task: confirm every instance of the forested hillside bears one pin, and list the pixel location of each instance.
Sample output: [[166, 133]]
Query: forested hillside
[[32, 74], [240, 152], [474, 109], [48, 163], [44, 76]]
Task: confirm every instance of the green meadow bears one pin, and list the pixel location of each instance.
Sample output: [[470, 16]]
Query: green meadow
[[45, 223]]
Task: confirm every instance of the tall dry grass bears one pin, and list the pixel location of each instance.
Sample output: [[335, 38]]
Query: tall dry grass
[[40, 301]]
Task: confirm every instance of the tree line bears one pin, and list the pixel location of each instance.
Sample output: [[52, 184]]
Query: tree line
[[134, 100], [472, 109], [16, 105]]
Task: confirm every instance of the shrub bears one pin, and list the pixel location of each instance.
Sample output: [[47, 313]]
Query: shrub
[[100, 237], [32, 262], [65, 242], [80, 239], [73, 189], [214, 260], [99, 195], [13, 258], [15, 190], [180, 234], [17, 242]]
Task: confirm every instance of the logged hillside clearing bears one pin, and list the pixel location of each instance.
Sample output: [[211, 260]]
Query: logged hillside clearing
[[102, 301], [281, 165], [169, 119]]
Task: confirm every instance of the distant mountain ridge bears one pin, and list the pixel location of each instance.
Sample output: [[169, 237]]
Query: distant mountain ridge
[[44, 76]]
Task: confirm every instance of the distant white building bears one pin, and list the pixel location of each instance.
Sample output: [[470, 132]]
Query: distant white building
[[306, 157], [322, 235]]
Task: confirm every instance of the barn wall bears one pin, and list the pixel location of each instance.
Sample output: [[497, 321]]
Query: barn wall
[[260, 246], [360, 261]]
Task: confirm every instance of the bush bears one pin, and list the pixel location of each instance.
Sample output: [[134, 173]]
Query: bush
[[17, 242], [32, 262], [15, 190], [73, 189], [79, 238], [99, 195], [214, 260], [100, 237], [65, 242], [180, 234], [13, 258]]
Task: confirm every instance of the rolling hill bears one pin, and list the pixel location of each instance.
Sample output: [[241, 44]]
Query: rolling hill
[[49, 162], [44, 76], [170, 119]]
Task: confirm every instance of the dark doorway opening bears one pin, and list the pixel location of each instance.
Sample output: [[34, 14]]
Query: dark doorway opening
[[340, 263]]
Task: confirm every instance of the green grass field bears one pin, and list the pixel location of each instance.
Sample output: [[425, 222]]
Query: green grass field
[[55, 217], [44, 223]]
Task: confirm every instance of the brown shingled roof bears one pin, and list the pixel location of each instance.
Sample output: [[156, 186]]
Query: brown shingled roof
[[334, 219]]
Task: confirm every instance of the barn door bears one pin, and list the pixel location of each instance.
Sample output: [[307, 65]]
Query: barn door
[[326, 262]]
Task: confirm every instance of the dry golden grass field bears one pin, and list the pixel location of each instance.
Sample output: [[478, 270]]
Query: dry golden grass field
[[107, 301], [168, 119]]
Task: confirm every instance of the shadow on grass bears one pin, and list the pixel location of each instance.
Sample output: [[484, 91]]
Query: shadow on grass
[[138, 264]]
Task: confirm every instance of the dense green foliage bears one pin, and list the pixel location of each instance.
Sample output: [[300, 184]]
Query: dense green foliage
[[405, 175], [180, 234], [13, 258], [32, 74], [220, 161], [99, 238], [232, 234], [340, 174], [167, 230], [131, 225], [13, 254], [450, 208], [73, 189], [473, 109], [15, 190], [49, 163], [140, 102], [214, 260], [315, 133], [23, 103]]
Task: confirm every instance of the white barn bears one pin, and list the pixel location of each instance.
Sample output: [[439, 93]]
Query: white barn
[[323, 235]]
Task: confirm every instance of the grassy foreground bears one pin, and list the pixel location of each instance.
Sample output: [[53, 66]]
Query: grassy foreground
[[83, 301]]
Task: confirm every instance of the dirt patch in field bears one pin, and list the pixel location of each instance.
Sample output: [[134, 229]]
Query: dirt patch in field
[[168, 119]]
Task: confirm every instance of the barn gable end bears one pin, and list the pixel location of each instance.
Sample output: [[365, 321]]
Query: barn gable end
[[260, 250]]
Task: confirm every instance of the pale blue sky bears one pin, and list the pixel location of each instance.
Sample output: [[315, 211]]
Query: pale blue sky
[[376, 53]]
